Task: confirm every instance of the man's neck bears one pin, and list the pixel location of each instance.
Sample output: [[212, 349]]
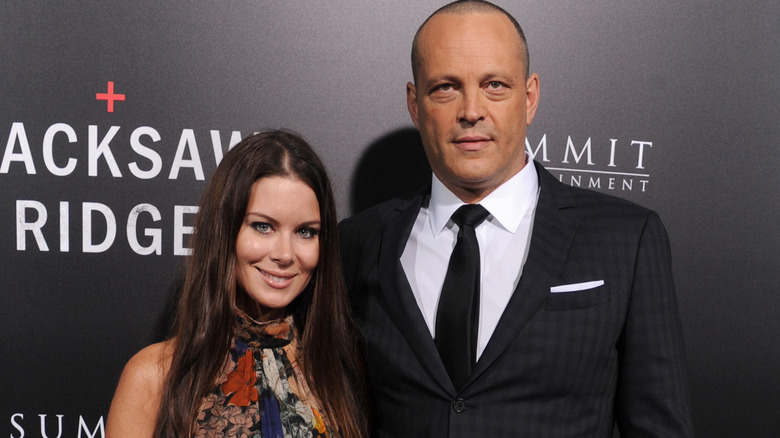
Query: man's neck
[[475, 194]]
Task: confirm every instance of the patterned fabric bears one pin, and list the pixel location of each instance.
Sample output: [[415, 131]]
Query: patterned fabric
[[557, 364], [262, 392]]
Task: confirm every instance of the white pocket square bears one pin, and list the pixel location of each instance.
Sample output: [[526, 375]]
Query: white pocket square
[[576, 287]]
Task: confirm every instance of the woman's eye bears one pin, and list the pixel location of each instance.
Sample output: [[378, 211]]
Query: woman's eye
[[262, 227], [307, 233]]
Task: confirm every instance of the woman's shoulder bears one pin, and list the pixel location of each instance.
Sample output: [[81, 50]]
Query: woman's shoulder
[[138, 394], [152, 362], [146, 370]]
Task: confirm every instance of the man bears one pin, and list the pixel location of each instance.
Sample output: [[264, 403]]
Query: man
[[573, 328]]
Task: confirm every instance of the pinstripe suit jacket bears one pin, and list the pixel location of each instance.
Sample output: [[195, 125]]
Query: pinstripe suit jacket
[[558, 364]]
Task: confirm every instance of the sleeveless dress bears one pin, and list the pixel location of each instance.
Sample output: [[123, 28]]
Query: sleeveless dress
[[262, 391]]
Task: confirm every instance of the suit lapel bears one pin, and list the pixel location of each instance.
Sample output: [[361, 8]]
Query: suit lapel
[[397, 293], [551, 237]]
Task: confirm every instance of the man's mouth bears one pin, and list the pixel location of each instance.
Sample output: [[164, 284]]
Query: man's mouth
[[472, 142]]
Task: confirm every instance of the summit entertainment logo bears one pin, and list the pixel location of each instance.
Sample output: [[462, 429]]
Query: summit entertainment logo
[[616, 166]]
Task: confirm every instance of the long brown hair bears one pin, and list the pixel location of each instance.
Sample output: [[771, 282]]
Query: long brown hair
[[203, 326]]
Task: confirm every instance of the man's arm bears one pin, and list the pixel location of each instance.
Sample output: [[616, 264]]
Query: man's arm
[[652, 394]]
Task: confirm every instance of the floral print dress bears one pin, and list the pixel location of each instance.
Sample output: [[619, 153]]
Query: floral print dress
[[262, 392]]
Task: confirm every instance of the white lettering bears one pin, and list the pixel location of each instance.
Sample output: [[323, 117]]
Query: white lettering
[[22, 226], [179, 229], [542, 144], [642, 145], [96, 150], [187, 141], [98, 428], [48, 149], [16, 425], [87, 208], [155, 233], [613, 142], [577, 157], [64, 226], [32, 217], [216, 143], [146, 152], [43, 425], [25, 156]]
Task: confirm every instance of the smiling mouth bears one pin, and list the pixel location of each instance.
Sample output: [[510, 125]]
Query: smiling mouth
[[276, 281]]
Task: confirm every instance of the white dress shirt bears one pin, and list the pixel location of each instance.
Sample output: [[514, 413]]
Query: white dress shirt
[[503, 238]]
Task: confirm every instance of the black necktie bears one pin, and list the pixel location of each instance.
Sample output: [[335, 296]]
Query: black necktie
[[457, 315]]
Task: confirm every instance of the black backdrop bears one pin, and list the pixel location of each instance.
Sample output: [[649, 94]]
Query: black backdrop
[[670, 104]]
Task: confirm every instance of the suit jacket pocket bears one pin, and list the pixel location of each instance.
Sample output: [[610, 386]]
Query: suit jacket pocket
[[577, 300]]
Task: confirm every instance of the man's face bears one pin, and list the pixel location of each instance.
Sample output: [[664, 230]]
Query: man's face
[[472, 102]]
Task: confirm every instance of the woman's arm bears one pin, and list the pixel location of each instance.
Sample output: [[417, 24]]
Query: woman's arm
[[133, 411]]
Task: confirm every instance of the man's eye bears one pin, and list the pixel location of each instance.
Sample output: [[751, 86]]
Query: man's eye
[[443, 88], [495, 85]]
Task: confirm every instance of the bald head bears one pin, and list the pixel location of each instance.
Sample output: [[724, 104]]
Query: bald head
[[465, 7]]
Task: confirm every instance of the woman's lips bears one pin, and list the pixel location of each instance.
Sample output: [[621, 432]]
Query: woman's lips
[[278, 281]]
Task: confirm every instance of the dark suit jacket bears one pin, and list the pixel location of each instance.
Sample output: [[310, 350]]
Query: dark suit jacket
[[558, 364]]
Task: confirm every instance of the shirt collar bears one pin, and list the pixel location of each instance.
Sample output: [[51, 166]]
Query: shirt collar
[[507, 204]]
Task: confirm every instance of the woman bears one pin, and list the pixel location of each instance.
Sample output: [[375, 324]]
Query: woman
[[262, 341]]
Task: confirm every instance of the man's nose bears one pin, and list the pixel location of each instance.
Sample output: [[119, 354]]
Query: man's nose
[[472, 107]]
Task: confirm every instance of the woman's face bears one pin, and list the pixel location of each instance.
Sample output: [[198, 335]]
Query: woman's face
[[277, 248]]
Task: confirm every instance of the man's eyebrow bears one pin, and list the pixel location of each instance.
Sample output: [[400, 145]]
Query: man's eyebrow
[[442, 79]]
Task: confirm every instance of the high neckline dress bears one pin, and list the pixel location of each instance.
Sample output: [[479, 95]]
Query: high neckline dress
[[262, 391]]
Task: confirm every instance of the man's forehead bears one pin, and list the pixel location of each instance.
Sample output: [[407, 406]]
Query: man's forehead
[[454, 31], [448, 19], [461, 37]]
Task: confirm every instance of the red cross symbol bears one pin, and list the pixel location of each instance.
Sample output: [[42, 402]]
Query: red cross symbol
[[110, 97]]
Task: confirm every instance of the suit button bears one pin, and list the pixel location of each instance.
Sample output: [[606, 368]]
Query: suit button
[[459, 405]]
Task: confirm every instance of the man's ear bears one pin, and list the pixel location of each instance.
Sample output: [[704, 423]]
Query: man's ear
[[411, 102], [531, 97]]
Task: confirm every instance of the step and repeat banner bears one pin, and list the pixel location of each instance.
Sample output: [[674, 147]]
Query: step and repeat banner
[[114, 114]]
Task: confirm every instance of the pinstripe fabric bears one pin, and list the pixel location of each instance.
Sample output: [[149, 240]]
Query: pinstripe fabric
[[558, 364]]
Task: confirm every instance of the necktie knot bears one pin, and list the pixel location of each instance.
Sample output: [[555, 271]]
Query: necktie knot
[[469, 214]]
